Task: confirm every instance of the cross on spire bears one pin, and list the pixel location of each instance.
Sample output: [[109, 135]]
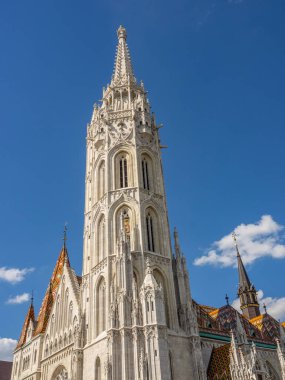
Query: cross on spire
[[64, 236], [235, 242], [227, 299], [265, 308]]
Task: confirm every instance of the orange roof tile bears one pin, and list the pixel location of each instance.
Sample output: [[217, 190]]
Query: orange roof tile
[[219, 365], [48, 300], [30, 316]]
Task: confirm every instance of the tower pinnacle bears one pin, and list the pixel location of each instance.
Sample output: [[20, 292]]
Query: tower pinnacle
[[123, 71], [122, 33]]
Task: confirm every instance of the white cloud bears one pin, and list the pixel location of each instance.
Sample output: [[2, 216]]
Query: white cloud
[[7, 346], [14, 275], [20, 298], [275, 306], [257, 240]]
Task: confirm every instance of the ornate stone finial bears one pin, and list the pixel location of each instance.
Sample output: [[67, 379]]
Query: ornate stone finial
[[122, 33], [265, 308], [227, 299], [32, 298]]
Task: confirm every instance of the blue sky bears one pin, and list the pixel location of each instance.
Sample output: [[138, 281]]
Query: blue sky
[[214, 70]]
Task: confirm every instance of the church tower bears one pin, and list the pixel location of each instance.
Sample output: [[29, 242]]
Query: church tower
[[129, 299], [246, 290]]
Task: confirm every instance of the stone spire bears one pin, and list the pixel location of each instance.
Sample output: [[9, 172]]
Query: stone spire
[[123, 71], [246, 290]]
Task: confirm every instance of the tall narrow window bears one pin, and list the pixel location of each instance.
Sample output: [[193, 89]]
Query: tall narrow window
[[145, 174], [101, 306], [98, 369], [101, 180], [123, 172], [150, 234], [101, 239]]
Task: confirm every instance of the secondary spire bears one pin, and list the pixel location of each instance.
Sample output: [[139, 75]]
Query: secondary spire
[[123, 71], [242, 274], [246, 290]]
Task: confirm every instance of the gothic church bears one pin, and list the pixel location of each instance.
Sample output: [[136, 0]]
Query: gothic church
[[131, 316]]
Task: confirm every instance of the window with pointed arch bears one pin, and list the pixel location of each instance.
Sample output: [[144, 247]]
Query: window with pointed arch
[[147, 172], [152, 231], [124, 224], [101, 188], [123, 176], [101, 249], [101, 306], [160, 279], [97, 369]]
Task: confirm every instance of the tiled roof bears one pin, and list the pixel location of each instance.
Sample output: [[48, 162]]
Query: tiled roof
[[48, 300], [219, 365], [267, 325], [226, 316], [30, 316], [205, 321], [208, 309]]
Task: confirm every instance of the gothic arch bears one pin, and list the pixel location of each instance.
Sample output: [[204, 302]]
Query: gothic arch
[[100, 305], [124, 221], [60, 373], [161, 280], [272, 372], [100, 181], [147, 171], [152, 230], [100, 240], [98, 369], [122, 169]]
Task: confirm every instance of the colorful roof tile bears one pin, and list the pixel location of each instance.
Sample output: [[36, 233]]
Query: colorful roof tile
[[29, 317], [267, 325], [48, 300], [219, 365]]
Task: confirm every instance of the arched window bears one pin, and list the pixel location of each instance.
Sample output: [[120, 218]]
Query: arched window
[[124, 224], [101, 306], [145, 174], [101, 180], [150, 233], [97, 369], [161, 282], [101, 239], [123, 171]]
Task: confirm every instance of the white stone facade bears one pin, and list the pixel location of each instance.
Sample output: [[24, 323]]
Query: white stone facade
[[132, 317]]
